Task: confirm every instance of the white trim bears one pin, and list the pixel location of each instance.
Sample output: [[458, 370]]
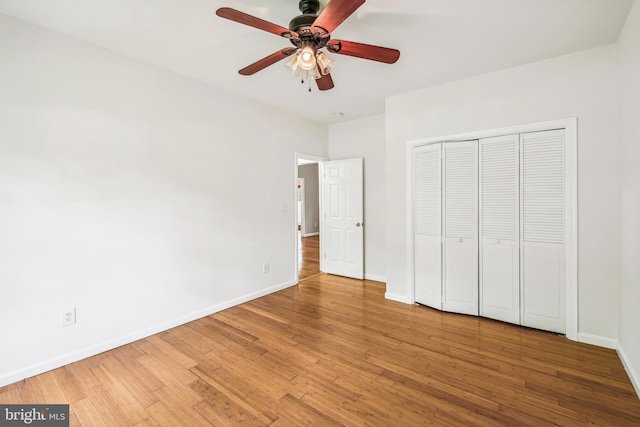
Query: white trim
[[311, 234], [302, 200], [570, 125], [489, 133], [633, 375], [309, 158], [410, 198], [65, 359], [571, 227], [598, 340], [375, 278]]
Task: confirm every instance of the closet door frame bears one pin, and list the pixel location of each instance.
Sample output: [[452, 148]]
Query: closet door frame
[[570, 126]]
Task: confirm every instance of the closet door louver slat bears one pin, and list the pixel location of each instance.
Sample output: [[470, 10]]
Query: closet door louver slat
[[499, 185], [543, 187], [427, 192], [461, 190]]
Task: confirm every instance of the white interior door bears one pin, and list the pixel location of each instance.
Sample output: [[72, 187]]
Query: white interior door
[[343, 236], [542, 193], [499, 228], [427, 226], [460, 246]]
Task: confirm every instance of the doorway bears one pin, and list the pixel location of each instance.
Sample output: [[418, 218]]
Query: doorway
[[307, 216]]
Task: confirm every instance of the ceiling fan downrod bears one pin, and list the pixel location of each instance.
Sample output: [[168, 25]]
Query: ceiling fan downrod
[[310, 7]]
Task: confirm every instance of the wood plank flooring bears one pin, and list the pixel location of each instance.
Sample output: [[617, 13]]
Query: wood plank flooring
[[308, 256], [332, 351]]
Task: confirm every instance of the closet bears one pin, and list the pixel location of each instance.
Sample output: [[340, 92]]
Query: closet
[[489, 228]]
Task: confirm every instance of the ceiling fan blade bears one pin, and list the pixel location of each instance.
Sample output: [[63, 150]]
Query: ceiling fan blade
[[325, 82], [252, 21], [365, 51], [269, 60], [335, 13]]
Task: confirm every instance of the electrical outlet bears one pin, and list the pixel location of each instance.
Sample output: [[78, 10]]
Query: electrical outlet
[[265, 268], [68, 317]]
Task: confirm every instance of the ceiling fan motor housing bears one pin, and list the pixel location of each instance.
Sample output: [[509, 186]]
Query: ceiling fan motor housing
[[302, 24], [302, 21]]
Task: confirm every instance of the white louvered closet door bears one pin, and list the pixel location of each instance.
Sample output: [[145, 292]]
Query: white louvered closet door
[[460, 243], [428, 225], [542, 230], [499, 228]]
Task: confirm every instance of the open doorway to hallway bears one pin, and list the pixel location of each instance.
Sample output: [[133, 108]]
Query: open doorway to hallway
[[308, 216]]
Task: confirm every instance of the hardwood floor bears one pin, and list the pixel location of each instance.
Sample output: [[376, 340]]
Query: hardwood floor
[[332, 351], [308, 257]]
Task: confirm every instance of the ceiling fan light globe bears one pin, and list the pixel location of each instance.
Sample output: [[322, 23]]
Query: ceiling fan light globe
[[307, 58], [293, 64], [325, 63]]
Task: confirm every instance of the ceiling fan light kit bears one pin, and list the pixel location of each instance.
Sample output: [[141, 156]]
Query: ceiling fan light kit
[[310, 33]]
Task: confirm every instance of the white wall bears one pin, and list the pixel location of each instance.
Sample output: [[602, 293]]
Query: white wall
[[311, 198], [366, 138], [129, 193], [629, 102], [583, 85]]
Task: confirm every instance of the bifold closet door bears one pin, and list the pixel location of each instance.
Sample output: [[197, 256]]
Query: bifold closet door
[[460, 220], [428, 225], [542, 230], [499, 228]]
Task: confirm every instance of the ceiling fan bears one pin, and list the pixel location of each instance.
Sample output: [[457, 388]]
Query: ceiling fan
[[309, 33]]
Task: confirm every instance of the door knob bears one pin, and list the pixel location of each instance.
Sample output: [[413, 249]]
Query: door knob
[[358, 224]]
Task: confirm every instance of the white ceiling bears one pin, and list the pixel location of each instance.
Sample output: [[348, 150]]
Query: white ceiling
[[439, 41]]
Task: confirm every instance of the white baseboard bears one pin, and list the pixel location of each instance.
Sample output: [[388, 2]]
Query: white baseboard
[[375, 278], [398, 297], [598, 340], [633, 375], [310, 234], [74, 356]]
